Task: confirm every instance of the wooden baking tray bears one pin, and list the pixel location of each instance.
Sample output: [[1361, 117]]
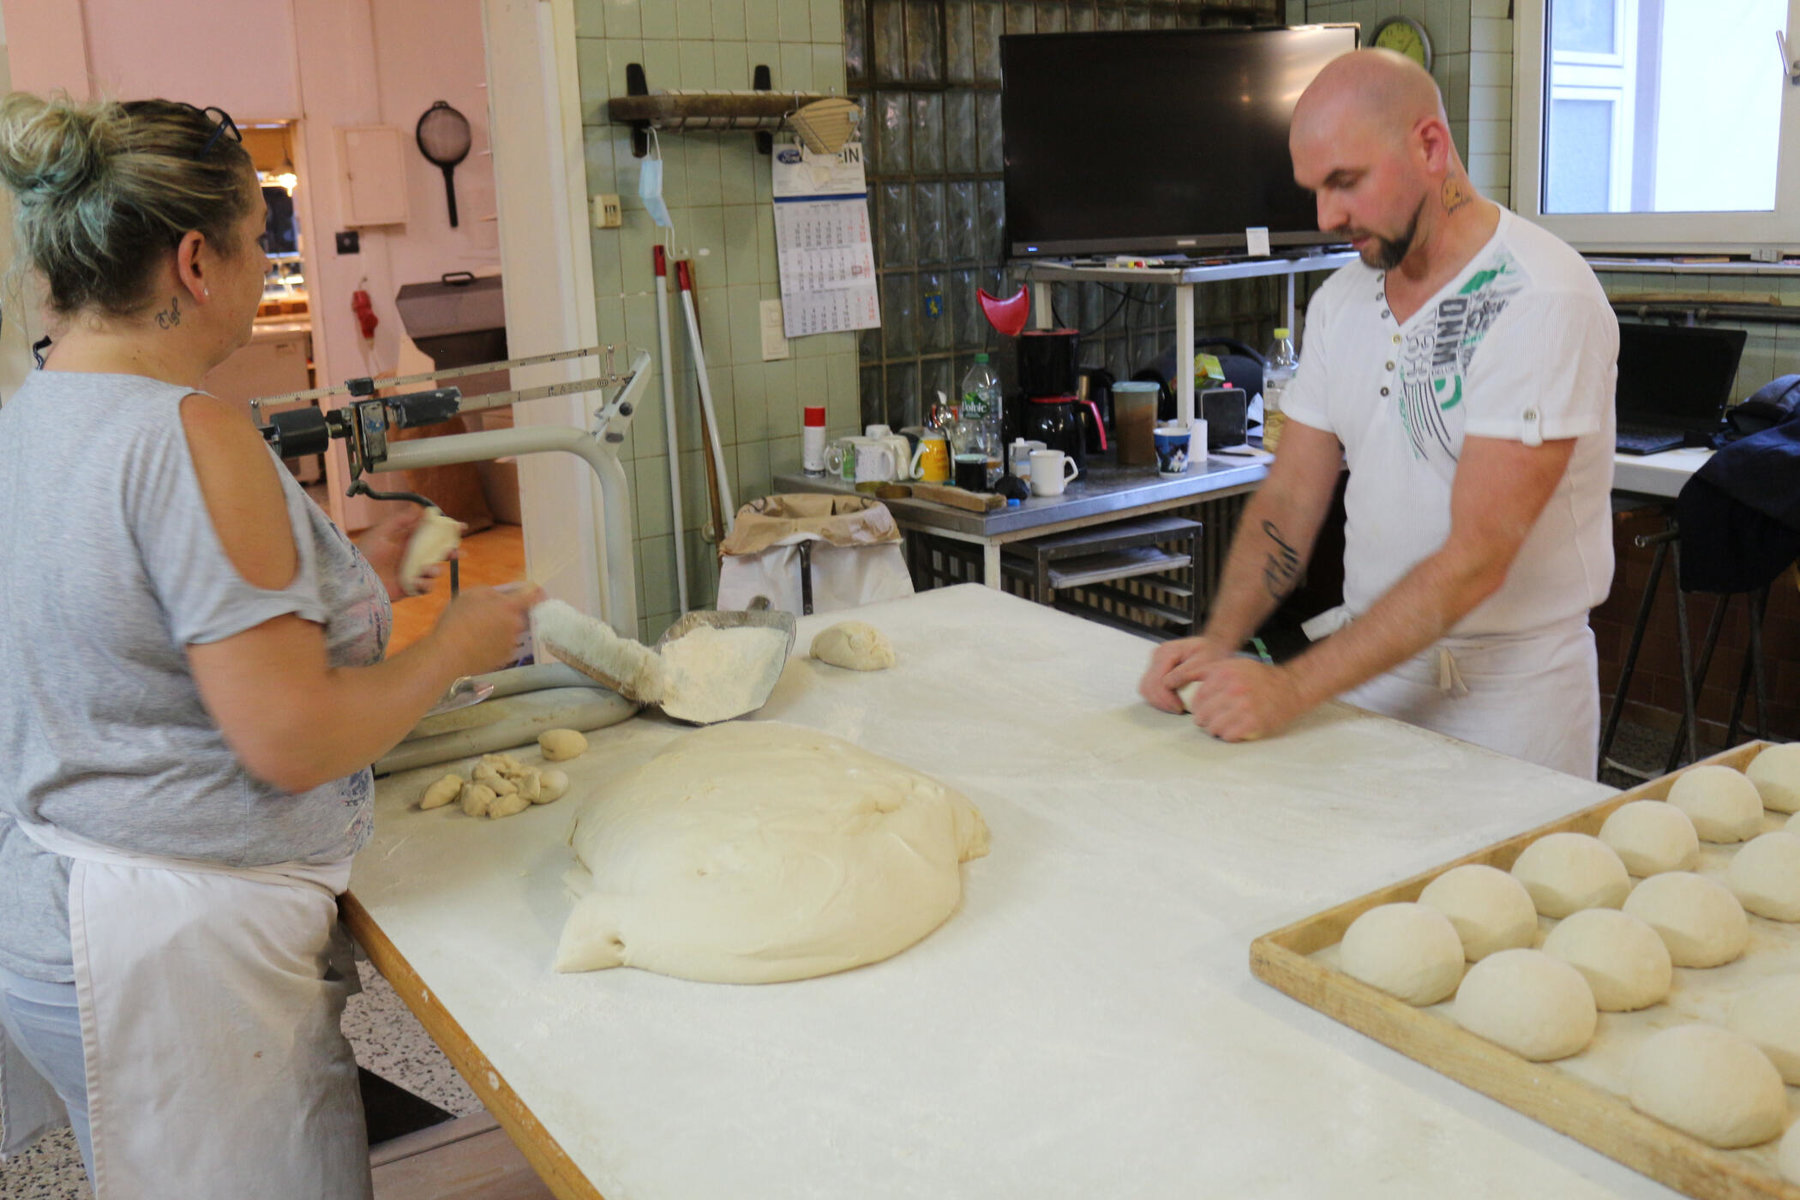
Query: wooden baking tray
[[1290, 959]]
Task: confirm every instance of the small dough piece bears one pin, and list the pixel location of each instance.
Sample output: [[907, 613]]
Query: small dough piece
[[561, 744], [1723, 804], [1529, 1002], [1711, 1083], [442, 792], [854, 645], [1409, 951], [1765, 876], [757, 852], [1769, 1015], [1567, 872], [1789, 1157], [1700, 921], [477, 798], [507, 805], [1186, 692], [551, 786], [1623, 959], [531, 786], [1776, 774], [486, 772], [432, 540], [1651, 837], [1489, 908], [502, 786]]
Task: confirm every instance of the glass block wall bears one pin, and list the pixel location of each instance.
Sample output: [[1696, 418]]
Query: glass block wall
[[927, 73]]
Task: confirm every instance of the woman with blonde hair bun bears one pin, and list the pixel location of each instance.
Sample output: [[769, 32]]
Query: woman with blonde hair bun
[[197, 683]]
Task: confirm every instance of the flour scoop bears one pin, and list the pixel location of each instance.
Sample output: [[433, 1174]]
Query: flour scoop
[[708, 666]]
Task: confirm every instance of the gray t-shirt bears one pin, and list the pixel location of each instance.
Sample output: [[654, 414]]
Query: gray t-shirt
[[109, 569]]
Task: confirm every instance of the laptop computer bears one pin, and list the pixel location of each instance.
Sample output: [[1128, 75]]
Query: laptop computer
[[1674, 383]]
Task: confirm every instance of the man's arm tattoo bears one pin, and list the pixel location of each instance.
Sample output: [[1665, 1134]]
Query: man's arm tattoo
[[1282, 568], [170, 317]]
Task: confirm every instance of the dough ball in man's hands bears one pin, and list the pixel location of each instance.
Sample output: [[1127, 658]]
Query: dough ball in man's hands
[[855, 646]]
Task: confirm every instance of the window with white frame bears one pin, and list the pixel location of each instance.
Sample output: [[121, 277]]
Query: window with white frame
[[1658, 124]]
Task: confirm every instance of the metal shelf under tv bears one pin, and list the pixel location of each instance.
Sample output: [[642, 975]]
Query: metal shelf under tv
[[1183, 276]]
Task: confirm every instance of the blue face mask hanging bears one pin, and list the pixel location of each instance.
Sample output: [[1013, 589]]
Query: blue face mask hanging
[[650, 189]]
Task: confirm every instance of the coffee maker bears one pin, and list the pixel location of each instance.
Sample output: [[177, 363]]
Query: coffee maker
[[1050, 411]]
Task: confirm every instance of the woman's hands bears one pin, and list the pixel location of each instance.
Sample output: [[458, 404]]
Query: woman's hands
[[384, 545]]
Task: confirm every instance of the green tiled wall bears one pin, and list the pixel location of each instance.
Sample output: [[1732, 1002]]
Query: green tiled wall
[[718, 191]]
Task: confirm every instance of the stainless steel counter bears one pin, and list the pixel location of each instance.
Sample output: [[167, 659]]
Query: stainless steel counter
[[1107, 493]]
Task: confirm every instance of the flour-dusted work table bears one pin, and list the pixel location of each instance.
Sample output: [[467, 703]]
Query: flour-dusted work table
[[1085, 1025], [1107, 494]]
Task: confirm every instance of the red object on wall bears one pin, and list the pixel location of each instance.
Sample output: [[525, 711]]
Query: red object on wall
[[365, 312], [1007, 316]]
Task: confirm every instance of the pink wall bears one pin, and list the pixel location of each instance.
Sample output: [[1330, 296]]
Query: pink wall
[[239, 57], [326, 63]]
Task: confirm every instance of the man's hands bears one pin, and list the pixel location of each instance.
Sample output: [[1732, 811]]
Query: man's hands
[[1239, 699], [1176, 663], [1236, 699]]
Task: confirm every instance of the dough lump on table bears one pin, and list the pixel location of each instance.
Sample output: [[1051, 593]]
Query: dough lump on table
[[1623, 959], [1490, 909], [1769, 1015], [1567, 872], [1789, 1158], [854, 645], [1776, 774], [757, 852], [1765, 875], [560, 744], [1723, 804], [1529, 1002], [1409, 951], [1699, 920], [1711, 1083], [1651, 837]]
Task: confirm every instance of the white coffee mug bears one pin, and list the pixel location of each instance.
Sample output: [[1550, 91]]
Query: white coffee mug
[[860, 460], [1051, 471]]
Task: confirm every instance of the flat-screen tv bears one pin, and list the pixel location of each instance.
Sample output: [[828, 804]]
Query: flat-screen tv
[[1157, 141]]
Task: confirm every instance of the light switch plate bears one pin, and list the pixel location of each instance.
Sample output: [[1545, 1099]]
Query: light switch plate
[[774, 341], [607, 213]]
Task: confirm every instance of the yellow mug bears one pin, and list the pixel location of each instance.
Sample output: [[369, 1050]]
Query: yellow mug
[[931, 461]]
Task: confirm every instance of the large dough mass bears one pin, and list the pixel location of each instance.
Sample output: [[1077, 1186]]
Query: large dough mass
[[761, 852]]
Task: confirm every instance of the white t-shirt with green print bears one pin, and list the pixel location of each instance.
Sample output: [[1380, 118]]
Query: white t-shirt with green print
[[1521, 345]]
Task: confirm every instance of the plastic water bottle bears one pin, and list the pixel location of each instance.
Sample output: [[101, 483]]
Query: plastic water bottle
[[980, 414], [1283, 362]]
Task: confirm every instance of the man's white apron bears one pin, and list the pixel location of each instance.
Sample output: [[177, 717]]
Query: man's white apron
[[209, 999], [1533, 695]]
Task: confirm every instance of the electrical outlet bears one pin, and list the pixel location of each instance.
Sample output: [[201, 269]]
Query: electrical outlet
[[607, 213]]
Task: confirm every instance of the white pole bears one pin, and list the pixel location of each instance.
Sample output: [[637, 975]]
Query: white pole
[[726, 506], [666, 368]]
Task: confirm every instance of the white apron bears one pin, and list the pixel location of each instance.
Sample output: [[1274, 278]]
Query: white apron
[[210, 999], [1534, 696]]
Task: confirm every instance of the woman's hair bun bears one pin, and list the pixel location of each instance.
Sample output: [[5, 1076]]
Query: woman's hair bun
[[55, 148]]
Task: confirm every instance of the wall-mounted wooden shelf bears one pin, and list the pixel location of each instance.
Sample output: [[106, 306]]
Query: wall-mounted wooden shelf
[[760, 110]]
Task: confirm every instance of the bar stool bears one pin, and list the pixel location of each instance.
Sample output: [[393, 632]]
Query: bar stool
[[1666, 546]]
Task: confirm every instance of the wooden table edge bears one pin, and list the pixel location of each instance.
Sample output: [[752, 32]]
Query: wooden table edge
[[552, 1164]]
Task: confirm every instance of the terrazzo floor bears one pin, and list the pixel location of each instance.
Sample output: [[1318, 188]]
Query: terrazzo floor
[[390, 1042]]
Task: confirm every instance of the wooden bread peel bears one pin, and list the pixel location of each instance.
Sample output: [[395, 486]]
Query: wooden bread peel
[[939, 493]]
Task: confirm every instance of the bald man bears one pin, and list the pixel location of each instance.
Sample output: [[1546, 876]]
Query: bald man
[[1464, 369]]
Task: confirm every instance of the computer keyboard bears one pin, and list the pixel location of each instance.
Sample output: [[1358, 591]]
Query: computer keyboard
[[1646, 441]]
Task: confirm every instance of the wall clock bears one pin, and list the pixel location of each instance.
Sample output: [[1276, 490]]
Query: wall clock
[[1405, 35]]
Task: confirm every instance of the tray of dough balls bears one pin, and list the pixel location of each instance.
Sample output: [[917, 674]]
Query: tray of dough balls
[[1628, 975]]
